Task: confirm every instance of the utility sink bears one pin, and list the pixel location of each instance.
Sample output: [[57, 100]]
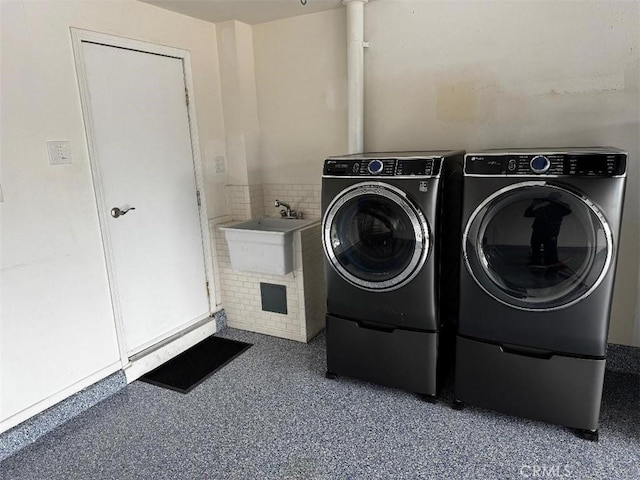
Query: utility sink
[[264, 245]]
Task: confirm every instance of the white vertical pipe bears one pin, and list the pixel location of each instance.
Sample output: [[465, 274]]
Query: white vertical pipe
[[355, 73]]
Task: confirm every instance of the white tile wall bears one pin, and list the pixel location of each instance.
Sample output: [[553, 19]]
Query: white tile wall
[[216, 257], [314, 290], [239, 292], [245, 201], [304, 198]]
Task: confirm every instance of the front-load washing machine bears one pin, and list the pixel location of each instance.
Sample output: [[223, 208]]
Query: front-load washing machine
[[540, 240], [391, 276]]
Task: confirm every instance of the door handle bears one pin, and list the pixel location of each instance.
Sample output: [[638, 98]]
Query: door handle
[[526, 351], [116, 212]]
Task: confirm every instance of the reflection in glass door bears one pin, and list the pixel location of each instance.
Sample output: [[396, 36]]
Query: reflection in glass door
[[537, 246]]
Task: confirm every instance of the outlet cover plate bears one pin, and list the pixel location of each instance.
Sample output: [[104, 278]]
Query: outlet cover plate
[[59, 152], [219, 165]]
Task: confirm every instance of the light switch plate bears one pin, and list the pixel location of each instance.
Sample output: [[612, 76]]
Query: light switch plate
[[59, 152], [219, 165]]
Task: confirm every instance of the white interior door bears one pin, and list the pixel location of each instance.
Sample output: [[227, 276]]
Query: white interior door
[[141, 140]]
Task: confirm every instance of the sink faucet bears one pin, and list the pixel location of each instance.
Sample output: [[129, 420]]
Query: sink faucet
[[286, 212]]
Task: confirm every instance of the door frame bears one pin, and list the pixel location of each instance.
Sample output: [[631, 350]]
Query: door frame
[[78, 36]]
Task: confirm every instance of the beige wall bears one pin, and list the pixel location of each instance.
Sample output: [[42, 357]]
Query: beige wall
[[235, 46], [501, 74], [301, 80], [57, 328], [470, 75]]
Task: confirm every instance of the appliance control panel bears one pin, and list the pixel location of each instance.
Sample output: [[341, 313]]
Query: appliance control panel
[[382, 167], [551, 164]]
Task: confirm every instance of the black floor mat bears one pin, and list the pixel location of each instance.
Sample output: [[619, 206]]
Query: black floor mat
[[193, 366]]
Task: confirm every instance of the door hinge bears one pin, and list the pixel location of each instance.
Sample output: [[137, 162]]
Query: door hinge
[[186, 96], [198, 198], [208, 293]]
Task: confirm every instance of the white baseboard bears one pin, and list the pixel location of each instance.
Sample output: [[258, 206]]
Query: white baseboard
[[149, 359], [57, 397]]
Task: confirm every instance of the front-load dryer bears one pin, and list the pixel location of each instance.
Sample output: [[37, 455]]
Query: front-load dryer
[[540, 240], [390, 299]]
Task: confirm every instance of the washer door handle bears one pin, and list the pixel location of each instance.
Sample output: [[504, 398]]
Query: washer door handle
[[526, 351]]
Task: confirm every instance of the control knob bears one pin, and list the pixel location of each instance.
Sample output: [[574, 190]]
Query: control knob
[[540, 164], [375, 167]]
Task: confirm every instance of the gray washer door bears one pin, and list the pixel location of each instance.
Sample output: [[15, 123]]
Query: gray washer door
[[537, 246], [375, 237]]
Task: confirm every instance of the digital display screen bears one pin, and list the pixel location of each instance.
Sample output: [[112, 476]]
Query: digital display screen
[[592, 163], [413, 167], [488, 165], [335, 168]]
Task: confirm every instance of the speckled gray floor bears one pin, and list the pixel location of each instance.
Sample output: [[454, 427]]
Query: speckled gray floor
[[271, 414]]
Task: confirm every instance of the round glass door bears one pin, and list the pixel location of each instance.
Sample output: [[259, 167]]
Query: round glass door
[[537, 246], [374, 237]]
